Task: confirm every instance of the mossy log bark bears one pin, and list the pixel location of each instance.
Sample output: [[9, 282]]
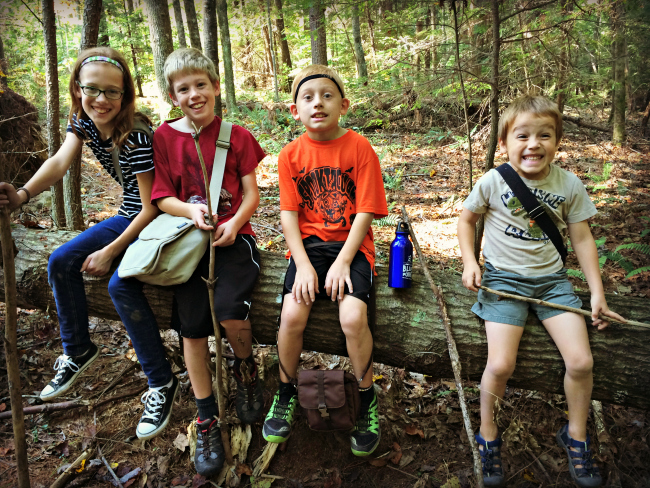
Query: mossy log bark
[[408, 331]]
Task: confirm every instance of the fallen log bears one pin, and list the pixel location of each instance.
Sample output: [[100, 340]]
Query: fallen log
[[408, 331], [579, 122]]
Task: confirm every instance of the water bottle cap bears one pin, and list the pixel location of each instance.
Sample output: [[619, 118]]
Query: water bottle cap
[[402, 228]]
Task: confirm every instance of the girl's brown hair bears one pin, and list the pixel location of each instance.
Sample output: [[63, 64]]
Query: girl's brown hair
[[123, 122]]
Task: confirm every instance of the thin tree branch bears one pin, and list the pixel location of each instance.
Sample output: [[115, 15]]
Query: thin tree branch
[[526, 9], [23, 2]]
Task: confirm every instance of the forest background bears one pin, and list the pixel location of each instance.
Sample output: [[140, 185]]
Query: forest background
[[427, 81]]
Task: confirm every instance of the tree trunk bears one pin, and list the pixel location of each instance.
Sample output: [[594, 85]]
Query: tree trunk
[[427, 51], [222, 17], [128, 12], [318, 33], [419, 27], [4, 69], [371, 31], [284, 45], [52, 81], [178, 16], [91, 19], [644, 120], [408, 331], [362, 69], [161, 39], [618, 136], [211, 31], [192, 24]]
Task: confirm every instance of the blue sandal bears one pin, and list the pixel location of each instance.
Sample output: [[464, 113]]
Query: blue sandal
[[588, 475], [491, 461]]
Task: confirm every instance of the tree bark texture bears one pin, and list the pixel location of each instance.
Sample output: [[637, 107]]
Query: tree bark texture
[[128, 14], [318, 33], [620, 49], [211, 31], [268, 57], [193, 25], [90, 30], [408, 331], [362, 69], [52, 81], [180, 29], [284, 45], [161, 39], [226, 53]]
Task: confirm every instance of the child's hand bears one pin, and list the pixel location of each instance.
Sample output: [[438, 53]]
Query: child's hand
[[225, 235], [198, 211], [472, 277], [305, 284], [337, 276], [599, 306], [9, 196], [98, 263]]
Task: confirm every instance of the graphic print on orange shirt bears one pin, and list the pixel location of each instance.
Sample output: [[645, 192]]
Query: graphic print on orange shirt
[[327, 191]]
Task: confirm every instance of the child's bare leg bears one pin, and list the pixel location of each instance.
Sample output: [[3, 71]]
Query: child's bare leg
[[240, 337], [292, 326], [503, 344], [196, 354], [353, 314], [569, 333]]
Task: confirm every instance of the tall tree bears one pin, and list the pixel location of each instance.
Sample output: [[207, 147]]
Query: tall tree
[[193, 25], [103, 39], [128, 13], [178, 15], [360, 56], [52, 81], [282, 41], [229, 76], [620, 49], [274, 63], [161, 40], [91, 17], [318, 33], [211, 42]]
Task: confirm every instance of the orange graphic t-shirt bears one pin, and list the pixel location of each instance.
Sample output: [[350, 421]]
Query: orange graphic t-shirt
[[328, 183]]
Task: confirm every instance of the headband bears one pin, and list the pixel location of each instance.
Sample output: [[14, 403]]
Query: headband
[[102, 59], [313, 77]]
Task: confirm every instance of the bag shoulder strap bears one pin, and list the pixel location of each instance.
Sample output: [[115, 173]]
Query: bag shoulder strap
[[219, 166], [534, 208], [139, 125]]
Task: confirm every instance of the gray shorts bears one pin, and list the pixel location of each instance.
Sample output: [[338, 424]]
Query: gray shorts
[[554, 288]]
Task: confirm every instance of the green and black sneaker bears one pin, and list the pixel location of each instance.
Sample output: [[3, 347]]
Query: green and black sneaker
[[277, 425], [365, 436]]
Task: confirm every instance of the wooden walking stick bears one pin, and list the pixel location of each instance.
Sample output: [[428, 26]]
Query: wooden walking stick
[[453, 353], [11, 351], [221, 401]]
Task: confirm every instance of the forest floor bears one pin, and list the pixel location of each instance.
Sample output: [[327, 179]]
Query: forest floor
[[423, 439]]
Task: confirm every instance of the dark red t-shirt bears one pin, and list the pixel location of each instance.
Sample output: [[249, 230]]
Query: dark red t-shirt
[[179, 174]]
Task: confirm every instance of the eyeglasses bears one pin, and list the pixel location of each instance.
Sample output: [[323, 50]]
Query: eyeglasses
[[93, 91]]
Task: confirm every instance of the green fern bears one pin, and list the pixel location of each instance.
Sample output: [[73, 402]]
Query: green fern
[[390, 220], [576, 274], [620, 259], [644, 248], [637, 271]]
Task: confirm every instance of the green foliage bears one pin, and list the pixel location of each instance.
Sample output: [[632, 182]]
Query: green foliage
[[390, 220]]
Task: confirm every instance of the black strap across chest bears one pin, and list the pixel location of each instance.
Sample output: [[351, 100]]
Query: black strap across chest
[[534, 208]]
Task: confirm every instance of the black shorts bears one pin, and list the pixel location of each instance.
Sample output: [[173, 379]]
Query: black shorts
[[236, 271], [322, 257]]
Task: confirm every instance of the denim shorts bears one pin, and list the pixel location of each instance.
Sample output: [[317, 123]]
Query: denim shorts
[[554, 288]]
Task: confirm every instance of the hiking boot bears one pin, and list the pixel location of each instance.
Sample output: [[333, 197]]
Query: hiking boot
[[249, 399], [277, 425], [209, 456], [490, 452], [365, 436], [68, 368], [158, 403], [586, 475]]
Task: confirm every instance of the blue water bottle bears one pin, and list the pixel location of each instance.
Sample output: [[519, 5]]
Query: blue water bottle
[[400, 258]]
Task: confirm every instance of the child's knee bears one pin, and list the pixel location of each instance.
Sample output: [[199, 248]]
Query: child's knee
[[293, 319], [580, 365], [501, 368]]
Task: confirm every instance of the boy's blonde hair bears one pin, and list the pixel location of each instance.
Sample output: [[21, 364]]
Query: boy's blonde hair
[[186, 61], [316, 69], [534, 104]]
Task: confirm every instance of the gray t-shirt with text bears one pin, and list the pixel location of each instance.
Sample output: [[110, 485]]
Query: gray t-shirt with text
[[514, 242]]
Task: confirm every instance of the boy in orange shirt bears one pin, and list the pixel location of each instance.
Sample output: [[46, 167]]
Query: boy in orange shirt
[[330, 191]]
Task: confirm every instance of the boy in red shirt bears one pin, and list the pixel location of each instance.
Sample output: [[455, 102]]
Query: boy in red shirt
[[179, 189], [330, 191]]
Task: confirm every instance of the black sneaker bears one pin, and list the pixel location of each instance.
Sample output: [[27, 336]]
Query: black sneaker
[[277, 425], [209, 456], [249, 400], [158, 403], [365, 436], [68, 368]]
